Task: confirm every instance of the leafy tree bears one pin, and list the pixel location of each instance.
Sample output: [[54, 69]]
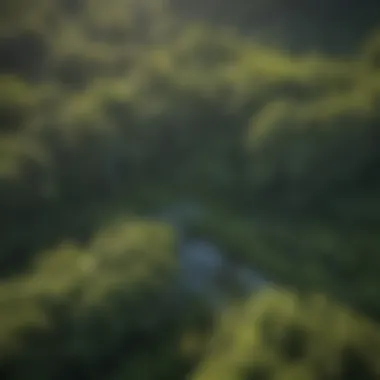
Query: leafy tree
[[278, 335]]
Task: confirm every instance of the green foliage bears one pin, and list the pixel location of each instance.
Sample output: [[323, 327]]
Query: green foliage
[[299, 24], [122, 105], [83, 305], [277, 335], [17, 103], [304, 253]]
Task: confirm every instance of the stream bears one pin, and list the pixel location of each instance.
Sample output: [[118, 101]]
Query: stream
[[205, 270]]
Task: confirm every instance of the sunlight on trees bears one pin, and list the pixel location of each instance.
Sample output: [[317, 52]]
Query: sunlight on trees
[[116, 108]]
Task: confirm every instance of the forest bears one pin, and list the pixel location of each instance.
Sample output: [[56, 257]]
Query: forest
[[266, 113]]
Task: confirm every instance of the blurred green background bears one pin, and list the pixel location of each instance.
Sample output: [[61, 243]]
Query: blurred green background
[[265, 113]]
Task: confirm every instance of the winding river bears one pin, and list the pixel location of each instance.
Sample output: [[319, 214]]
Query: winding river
[[205, 270]]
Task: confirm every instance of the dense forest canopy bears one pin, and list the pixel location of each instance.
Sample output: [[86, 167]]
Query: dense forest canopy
[[265, 112], [336, 26]]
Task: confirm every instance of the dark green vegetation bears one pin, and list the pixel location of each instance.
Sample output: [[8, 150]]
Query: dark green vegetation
[[109, 109], [336, 26], [291, 338]]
